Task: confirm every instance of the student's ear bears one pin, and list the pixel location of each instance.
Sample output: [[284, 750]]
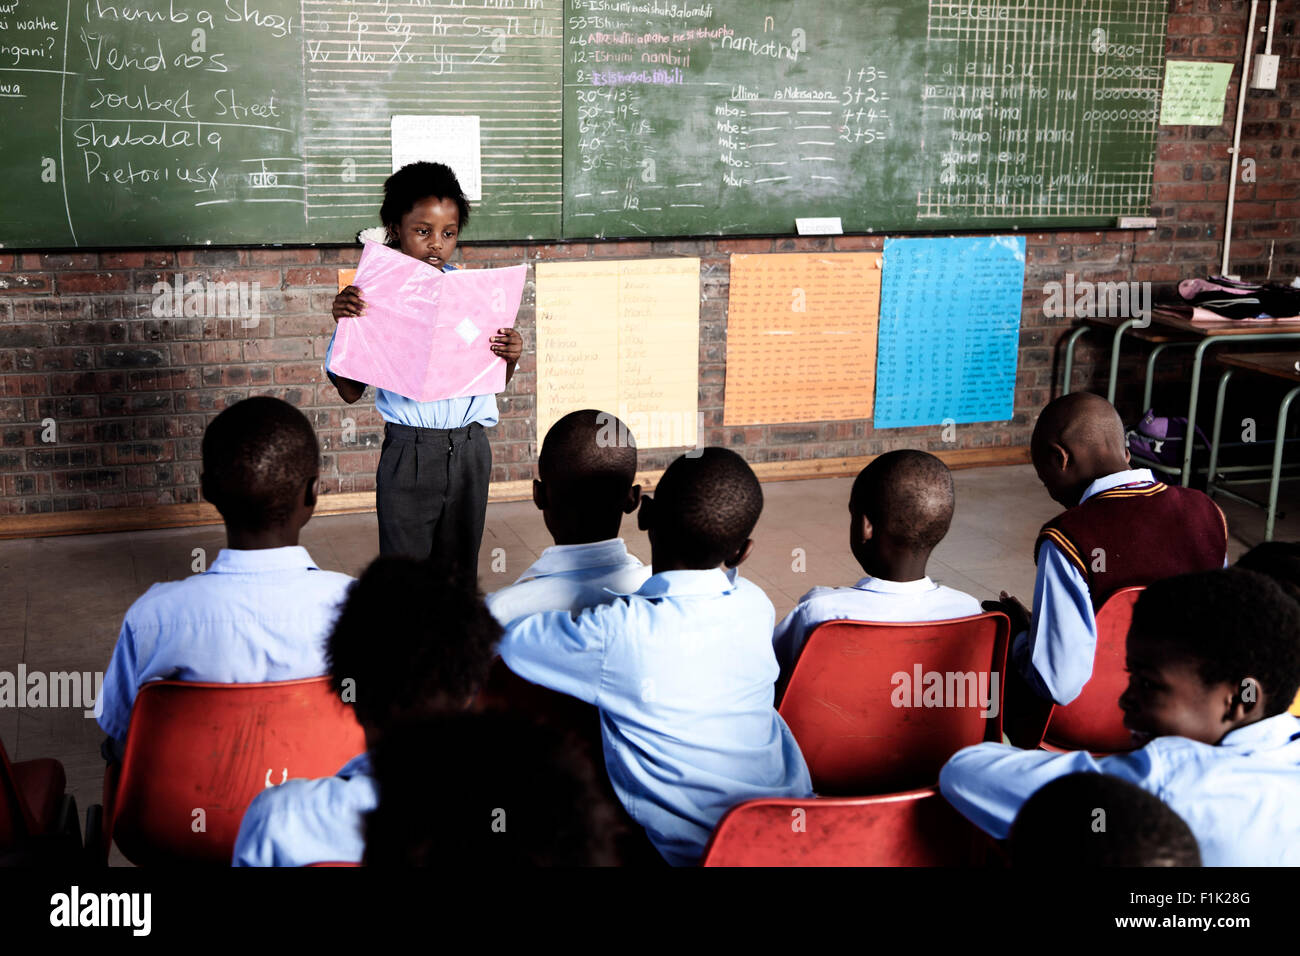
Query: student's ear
[[205, 489], [645, 513], [633, 500], [1059, 456], [1247, 703], [309, 494], [737, 559], [539, 494], [862, 528]]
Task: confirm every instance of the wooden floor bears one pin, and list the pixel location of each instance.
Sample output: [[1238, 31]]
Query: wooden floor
[[62, 599]]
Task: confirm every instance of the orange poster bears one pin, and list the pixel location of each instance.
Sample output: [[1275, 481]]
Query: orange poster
[[801, 337]]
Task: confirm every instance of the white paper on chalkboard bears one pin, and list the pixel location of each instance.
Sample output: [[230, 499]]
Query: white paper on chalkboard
[[453, 140], [820, 226]]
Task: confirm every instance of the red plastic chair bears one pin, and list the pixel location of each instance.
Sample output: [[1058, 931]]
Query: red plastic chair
[[1093, 720], [917, 828], [36, 814], [214, 747], [840, 702]]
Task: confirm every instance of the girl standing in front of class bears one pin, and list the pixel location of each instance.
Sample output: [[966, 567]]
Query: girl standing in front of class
[[432, 484]]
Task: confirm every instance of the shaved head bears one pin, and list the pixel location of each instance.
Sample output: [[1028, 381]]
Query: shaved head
[[586, 471], [908, 497], [1079, 421], [1078, 438], [706, 505]]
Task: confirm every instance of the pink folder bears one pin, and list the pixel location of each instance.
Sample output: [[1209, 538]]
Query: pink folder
[[426, 334]]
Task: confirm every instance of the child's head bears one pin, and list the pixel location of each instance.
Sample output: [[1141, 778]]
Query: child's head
[[1078, 438], [488, 790], [1092, 819], [585, 476], [900, 508], [424, 210], [260, 467], [410, 641], [1208, 653], [702, 511], [1280, 560]]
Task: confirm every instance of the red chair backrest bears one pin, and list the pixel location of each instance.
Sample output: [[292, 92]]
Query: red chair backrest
[[16, 821], [917, 828], [852, 704], [214, 747], [1093, 720]]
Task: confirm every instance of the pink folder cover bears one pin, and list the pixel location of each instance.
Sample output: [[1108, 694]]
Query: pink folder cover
[[426, 334]]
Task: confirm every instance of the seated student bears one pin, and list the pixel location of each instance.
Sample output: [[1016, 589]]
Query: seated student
[[682, 671], [584, 486], [1280, 560], [261, 610], [900, 507], [487, 790], [1213, 664], [1121, 528], [395, 660], [1094, 819]]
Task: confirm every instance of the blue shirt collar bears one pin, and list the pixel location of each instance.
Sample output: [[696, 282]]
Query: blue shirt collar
[[357, 766], [563, 558], [293, 558], [1267, 734], [1130, 477], [710, 583]]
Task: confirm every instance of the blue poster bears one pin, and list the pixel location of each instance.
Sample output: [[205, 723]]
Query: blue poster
[[949, 330]]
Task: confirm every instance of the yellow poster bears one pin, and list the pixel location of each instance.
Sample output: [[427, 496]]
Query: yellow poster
[[801, 337], [621, 336]]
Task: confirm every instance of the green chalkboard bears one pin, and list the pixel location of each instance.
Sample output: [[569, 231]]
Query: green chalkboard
[[732, 116], [191, 122]]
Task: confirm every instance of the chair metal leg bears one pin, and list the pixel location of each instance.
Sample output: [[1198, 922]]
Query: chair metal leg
[[1279, 444], [1069, 356], [1190, 443], [1149, 384], [1218, 429]]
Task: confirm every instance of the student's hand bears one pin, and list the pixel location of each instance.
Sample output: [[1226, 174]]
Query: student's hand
[[348, 302], [1012, 608], [508, 344]]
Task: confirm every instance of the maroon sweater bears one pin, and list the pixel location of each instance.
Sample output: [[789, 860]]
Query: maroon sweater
[[1145, 532]]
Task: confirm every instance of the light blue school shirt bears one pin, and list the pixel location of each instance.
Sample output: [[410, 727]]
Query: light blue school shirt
[[682, 672], [871, 599], [441, 413], [309, 821], [1055, 655], [252, 616], [570, 577], [1238, 798]]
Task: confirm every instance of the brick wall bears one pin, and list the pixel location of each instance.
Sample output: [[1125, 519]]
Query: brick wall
[[131, 393]]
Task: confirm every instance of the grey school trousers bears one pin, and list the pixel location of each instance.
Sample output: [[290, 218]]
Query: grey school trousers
[[431, 493]]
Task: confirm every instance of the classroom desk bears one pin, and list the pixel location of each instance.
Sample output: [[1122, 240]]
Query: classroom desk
[[1161, 339], [1186, 333], [1283, 365]]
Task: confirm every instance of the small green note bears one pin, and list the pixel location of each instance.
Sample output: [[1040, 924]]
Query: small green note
[[1194, 94]]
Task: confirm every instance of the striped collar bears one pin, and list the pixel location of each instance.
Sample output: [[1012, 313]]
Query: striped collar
[[1135, 481]]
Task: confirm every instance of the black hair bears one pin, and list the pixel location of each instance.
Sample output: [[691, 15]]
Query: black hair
[[1234, 624], [908, 495], [588, 461], [258, 455], [1280, 560], [417, 181], [1092, 819], [487, 789], [706, 506], [411, 639]]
